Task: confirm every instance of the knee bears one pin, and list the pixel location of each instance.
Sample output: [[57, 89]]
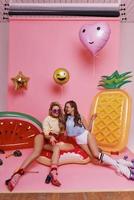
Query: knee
[[92, 138], [56, 148]]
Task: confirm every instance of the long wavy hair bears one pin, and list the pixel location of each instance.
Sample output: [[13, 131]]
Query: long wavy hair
[[60, 117], [77, 117]]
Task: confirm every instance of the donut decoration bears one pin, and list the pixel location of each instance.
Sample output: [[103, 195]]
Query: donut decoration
[[77, 156]]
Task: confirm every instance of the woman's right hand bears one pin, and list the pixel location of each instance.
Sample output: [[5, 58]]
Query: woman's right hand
[[93, 117], [53, 141]]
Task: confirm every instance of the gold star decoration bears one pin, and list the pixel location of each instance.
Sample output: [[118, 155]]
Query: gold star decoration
[[20, 81]]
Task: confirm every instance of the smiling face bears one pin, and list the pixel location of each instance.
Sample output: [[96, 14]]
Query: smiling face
[[61, 76], [55, 111], [94, 36], [69, 110]]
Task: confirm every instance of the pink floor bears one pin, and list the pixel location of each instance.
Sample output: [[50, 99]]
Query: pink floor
[[74, 178]]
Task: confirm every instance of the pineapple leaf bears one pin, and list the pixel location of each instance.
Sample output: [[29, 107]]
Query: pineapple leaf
[[108, 86], [115, 74], [120, 84], [121, 79], [115, 80], [125, 73], [108, 81]]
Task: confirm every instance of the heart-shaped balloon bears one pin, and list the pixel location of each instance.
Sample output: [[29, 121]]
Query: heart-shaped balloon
[[95, 36]]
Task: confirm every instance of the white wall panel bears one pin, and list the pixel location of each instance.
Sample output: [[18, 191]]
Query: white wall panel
[[3, 65]]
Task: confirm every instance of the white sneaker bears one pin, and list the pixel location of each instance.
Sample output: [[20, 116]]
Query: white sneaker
[[126, 163], [124, 170]]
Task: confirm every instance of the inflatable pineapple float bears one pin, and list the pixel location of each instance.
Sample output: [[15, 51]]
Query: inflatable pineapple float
[[112, 106]]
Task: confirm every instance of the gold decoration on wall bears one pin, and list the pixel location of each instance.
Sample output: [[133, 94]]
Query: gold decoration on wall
[[61, 76], [20, 81]]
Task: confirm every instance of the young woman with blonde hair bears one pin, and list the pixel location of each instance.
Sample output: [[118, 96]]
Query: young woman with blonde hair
[[53, 130]]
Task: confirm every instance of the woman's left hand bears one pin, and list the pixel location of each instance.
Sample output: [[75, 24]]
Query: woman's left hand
[[53, 141]]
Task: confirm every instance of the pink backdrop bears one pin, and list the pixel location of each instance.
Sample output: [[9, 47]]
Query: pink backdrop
[[37, 47]]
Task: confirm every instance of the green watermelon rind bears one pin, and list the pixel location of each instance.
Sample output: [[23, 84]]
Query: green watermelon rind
[[20, 115]]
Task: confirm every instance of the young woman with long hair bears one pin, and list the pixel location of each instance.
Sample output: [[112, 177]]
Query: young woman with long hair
[[76, 126], [53, 129]]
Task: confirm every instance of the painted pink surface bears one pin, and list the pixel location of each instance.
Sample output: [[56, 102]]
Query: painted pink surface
[[74, 178], [38, 47]]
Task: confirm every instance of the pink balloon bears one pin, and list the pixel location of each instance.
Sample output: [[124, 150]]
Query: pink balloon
[[95, 36]]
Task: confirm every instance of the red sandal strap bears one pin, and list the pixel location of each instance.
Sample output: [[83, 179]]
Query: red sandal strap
[[20, 171]]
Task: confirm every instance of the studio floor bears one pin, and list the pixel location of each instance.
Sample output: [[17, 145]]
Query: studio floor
[[74, 177]]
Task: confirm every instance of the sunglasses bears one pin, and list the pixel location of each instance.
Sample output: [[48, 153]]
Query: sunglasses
[[55, 111]]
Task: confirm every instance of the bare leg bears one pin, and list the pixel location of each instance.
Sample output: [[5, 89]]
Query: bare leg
[[93, 159], [65, 146], [55, 161], [93, 146], [85, 147], [38, 146], [56, 150], [124, 170]]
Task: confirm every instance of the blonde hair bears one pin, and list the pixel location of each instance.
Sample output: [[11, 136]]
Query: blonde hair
[[60, 117]]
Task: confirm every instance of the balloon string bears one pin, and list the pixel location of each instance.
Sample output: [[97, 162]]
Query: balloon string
[[61, 91], [94, 65]]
